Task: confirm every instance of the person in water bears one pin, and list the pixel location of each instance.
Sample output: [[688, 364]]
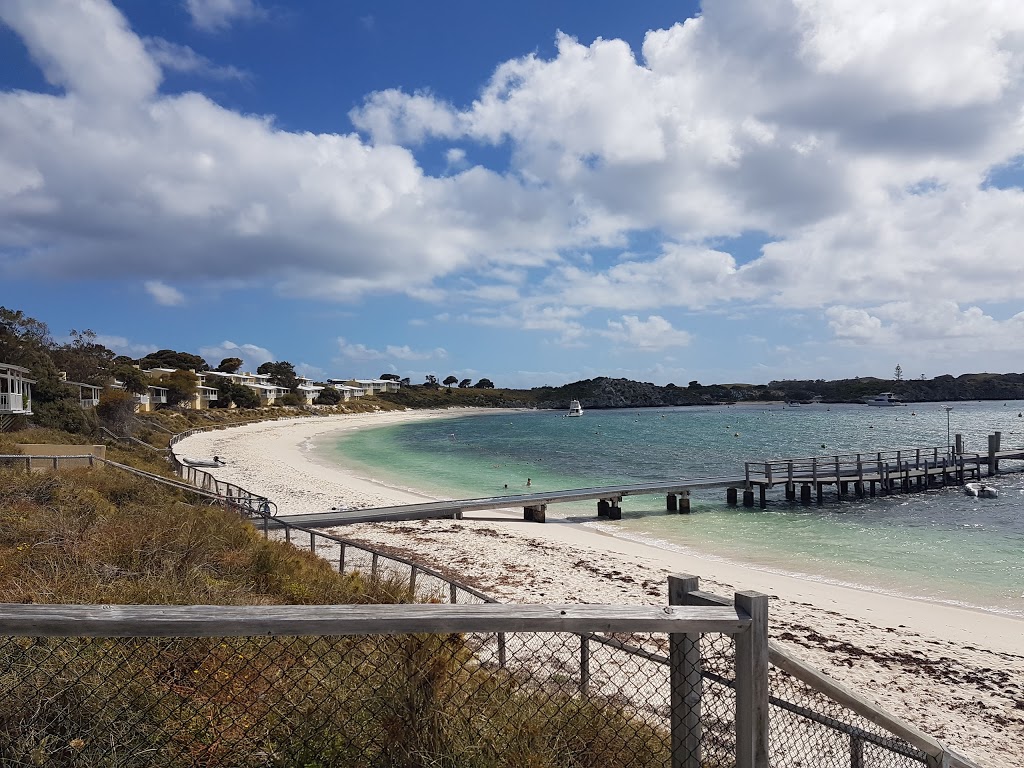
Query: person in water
[[528, 482]]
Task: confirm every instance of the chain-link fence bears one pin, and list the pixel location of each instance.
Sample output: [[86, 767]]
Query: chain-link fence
[[473, 697]]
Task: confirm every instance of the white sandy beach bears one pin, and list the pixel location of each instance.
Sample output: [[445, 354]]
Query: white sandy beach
[[957, 674]]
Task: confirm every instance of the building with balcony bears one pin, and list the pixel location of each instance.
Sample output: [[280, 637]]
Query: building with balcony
[[15, 390]]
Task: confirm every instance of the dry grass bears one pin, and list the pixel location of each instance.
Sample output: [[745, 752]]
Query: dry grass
[[106, 536]]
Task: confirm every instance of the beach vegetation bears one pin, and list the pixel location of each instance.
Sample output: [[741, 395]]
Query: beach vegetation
[[116, 410], [450, 380], [181, 386], [464, 384], [484, 384], [329, 396], [133, 380], [105, 536]]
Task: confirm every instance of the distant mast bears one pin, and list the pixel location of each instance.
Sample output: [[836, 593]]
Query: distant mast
[[575, 409]]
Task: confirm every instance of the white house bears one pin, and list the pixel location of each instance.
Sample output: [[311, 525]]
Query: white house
[[369, 386], [15, 390]]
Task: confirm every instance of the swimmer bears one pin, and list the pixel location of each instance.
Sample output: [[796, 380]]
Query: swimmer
[[528, 482]]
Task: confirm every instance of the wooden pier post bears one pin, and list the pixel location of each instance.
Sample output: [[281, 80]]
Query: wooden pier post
[[536, 513], [790, 491], [763, 500], [858, 489], [684, 503], [805, 494], [730, 497], [959, 445], [992, 455], [671, 504], [614, 510], [748, 498], [602, 507], [821, 493]]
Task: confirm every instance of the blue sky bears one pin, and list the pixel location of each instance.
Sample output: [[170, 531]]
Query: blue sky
[[532, 192]]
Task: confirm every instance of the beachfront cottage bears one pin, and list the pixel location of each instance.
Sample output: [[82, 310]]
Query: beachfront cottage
[[368, 386], [15, 390]]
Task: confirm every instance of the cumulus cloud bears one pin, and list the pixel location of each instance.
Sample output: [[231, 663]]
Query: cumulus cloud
[[217, 15], [123, 346], [857, 136], [181, 58], [390, 352], [163, 294], [651, 335], [252, 355]]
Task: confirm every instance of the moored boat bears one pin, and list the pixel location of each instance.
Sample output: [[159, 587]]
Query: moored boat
[[884, 400], [575, 409]]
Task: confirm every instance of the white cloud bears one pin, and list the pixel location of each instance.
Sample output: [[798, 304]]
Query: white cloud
[[181, 58], [390, 352], [857, 136], [310, 371], [216, 15], [651, 335], [163, 294], [252, 355], [123, 346]]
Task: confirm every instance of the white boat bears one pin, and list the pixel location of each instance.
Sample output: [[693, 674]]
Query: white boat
[[981, 490], [884, 399], [575, 409]]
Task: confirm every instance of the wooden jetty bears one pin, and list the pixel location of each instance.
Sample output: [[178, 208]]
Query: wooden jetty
[[609, 500], [863, 474], [879, 472]]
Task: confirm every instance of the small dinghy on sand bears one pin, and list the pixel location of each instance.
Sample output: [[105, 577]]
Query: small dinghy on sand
[[981, 490], [216, 461]]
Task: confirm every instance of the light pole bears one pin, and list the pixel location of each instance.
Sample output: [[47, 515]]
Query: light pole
[[949, 447]]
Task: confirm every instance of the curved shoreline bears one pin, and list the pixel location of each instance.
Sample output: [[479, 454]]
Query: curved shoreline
[[877, 643]]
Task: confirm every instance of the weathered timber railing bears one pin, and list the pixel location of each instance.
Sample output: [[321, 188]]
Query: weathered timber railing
[[540, 660]]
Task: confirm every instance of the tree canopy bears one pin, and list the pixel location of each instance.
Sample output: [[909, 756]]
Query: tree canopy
[[168, 358], [230, 365]]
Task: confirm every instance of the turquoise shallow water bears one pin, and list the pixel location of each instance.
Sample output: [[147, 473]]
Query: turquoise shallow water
[[941, 545]]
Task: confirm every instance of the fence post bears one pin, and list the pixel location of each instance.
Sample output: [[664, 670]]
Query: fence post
[[312, 542], [413, 570], [752, 683], [341, 559], [856, 752], [585, 663], [453, 593], [685, 681]]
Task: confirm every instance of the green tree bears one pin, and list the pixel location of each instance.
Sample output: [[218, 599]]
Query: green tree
[[329, 396], [84, 359], [134, 380], [282, 374], [230, 365], [181, 386], [245, 397], [484, 384], [431, 381], [898, 373], [389, 377], [449, 381], [464, 383], [168, 358]]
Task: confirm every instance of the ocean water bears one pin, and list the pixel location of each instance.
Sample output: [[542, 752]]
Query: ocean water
[[941, 544]]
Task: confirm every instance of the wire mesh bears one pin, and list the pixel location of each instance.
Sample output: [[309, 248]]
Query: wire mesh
[[357, 700]]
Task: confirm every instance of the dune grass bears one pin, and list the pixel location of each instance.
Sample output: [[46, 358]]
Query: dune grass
[[107, 536]]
